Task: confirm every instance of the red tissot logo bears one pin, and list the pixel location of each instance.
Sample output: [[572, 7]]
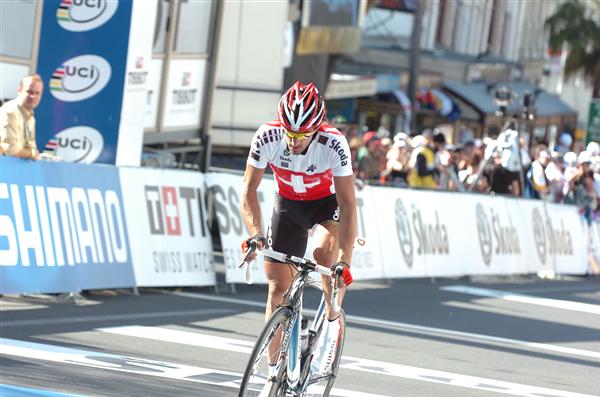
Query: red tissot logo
[[174, 211]]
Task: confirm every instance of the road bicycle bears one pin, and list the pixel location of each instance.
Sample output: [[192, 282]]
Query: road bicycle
[[292, 375]]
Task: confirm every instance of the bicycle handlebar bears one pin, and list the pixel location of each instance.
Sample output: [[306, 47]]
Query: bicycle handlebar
[[296, 261]]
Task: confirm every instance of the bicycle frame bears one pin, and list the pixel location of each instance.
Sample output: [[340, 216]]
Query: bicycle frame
[[298, 364], [292, 351], [296, 377]]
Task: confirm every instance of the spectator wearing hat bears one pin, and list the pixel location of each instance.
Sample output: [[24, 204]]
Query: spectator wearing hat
[[593, 148], [572, 175], [422, 162], [565, 140], [396, 171], [537, 173]]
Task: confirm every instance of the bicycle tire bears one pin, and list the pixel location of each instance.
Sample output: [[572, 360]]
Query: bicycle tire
[[256, 373], [338, 358]]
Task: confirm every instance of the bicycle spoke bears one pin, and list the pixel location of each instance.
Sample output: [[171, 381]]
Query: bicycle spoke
[[257, 381]]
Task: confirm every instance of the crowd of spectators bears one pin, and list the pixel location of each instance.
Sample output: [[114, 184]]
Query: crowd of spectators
[[498, 166]]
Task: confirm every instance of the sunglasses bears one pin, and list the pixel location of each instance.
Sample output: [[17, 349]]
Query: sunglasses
[[298, 135]]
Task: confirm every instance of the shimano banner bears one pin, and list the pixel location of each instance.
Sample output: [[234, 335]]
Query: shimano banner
[[62, 228], [84, 76]]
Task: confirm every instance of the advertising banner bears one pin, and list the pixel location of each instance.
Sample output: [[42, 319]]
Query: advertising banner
[[499, 234], [62, 228], [592, 235], [564, 243], [369, 247], [84, 75], [170, 237], [418, 231], [225, 195], [185, 92]]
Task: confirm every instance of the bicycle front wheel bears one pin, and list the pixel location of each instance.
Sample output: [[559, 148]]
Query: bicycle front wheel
[[256, 381]]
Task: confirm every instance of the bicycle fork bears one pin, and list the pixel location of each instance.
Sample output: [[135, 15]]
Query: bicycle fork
[[293, 350]]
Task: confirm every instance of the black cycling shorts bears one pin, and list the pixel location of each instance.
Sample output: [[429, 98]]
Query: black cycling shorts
[[291, 220]]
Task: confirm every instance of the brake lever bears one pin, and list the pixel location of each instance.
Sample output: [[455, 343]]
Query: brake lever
[[251, 248], [336, 289]]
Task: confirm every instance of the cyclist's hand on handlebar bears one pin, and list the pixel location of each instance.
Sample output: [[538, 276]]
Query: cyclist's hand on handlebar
[[250, 245], [342, 269]]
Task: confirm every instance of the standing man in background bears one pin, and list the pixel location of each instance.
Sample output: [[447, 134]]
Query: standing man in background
[[17, 121]]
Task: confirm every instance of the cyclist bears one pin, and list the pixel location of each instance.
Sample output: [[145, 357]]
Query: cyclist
[[315, 186]]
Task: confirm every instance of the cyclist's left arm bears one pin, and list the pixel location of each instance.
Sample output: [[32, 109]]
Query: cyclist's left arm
[[344, 189]]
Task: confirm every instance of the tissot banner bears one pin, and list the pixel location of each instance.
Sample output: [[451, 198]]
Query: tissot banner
[[225, 193], [82, 59], [62, 228], [170, 237]]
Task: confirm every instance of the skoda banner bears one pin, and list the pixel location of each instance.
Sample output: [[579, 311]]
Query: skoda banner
[[84, 75]]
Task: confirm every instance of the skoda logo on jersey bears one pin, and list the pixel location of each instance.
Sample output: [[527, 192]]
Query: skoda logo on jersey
[[83, 15], [286, 152], [403, 232], [80, 78], [484, 231], [539, 234], [78, 144]]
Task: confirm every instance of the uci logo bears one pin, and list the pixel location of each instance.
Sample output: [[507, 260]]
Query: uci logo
[[403, 232], [484, 231], [83, 15], [80, 78], [79, 144], [539, 235]]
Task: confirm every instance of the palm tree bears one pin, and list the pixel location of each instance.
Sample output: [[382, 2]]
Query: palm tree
[[575, 23]]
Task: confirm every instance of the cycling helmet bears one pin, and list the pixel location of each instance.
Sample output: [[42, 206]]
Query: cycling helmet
[[301, 109]]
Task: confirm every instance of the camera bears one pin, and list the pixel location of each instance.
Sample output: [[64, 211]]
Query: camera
[[503, 96], [529, 105]]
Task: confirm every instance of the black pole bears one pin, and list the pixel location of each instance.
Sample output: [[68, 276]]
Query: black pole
[[415, 61]]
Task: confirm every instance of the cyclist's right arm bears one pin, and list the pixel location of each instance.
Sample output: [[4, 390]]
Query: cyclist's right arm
[[249, 200]]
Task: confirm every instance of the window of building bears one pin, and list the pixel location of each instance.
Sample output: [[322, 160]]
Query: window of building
[[17, 16], [193, 25]]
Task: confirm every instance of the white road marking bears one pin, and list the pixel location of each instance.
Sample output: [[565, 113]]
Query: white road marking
[[533, 300], [452, 379], [113, 317], [115, 362], [351, 363], [182, 337], [420, 328]]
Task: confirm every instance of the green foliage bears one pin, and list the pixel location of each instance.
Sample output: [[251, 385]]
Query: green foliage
[[576, 23]]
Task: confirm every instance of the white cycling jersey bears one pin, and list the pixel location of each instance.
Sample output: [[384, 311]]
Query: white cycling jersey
[[306, 176]]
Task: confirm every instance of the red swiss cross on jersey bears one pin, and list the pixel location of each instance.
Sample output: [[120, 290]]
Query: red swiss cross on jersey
[[307, 176]]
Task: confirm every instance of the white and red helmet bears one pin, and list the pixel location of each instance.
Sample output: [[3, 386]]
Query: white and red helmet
[[301, 109]]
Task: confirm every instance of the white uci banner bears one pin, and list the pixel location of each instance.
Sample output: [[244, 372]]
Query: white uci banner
[[169, 235]]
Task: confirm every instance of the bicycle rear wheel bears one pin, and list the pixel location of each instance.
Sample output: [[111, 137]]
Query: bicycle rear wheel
[[256, 376], [323, 390]]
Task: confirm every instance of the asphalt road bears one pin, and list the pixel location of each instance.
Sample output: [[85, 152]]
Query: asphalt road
[[444, 337]]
